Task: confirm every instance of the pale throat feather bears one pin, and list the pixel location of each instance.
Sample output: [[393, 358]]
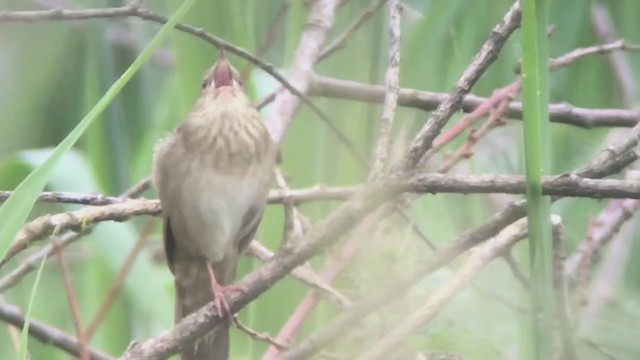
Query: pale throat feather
[[227, 134]]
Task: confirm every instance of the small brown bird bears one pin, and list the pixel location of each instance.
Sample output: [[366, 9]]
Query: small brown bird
[[212, 176]]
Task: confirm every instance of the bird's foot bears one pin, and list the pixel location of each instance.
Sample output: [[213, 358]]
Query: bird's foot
[[222, 306]]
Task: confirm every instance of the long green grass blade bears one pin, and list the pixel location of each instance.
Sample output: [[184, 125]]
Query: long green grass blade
[[15, 210], [24, 336], [538, 344]]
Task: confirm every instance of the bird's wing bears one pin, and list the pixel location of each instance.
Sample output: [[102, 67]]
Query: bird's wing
[[169, 243], [250, 223]]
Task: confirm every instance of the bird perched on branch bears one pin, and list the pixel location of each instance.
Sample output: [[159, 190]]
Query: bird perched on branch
[[212, 176]]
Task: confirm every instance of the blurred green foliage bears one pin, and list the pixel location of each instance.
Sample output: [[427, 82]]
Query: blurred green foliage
[[52, 73]]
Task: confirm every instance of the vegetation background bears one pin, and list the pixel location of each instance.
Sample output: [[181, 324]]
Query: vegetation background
[[52, 73]]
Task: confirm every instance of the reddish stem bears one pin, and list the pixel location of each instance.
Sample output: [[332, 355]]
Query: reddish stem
[[331, 271]]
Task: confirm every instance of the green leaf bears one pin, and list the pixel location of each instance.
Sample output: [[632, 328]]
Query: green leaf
[[538, 344]]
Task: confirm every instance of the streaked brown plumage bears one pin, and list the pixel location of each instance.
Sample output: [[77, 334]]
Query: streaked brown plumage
[[212, 176]]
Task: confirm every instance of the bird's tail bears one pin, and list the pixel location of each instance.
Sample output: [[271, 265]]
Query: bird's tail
[[193, 291]]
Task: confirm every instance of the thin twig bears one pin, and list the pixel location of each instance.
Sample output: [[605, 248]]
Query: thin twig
[[599, 349], [331, 270], [609, 222], [295, 197], [495, 120], [264, 337], [306, 276], [47, 334], [338, 43], [602, 292], [268, 39], [72, 298], [137, 189], [341, 40], [515, 269], [391, 92], [483, 59], [565, 323], [293, 219], [14, 334], [118, 281], [32, 262], [93, 199], [604, 29], [497, 102], [567, 59]]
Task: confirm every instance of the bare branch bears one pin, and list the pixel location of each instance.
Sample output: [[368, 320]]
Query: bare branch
[[515, 270], [341, 41], [259, 336], [391, 91], [295, 197], [306, 276], [605, 31], [464, 151], [119, 279], [72, 299], [34, 260], [93, 199], [563, 185], [569, 58], [137, 189], [269, 38], [481, 62], [293, 219], [338, 43], [565, 323], [47, 334], [78, 220], [563, 113], [609, 223], [321, 16]]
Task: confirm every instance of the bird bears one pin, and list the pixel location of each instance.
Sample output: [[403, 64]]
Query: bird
[[212, 176]]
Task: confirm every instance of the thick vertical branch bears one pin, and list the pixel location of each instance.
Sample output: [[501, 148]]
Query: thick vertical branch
[[320, 20], [391, 92]]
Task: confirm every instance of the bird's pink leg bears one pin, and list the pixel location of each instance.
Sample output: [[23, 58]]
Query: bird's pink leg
[[218, 290]]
